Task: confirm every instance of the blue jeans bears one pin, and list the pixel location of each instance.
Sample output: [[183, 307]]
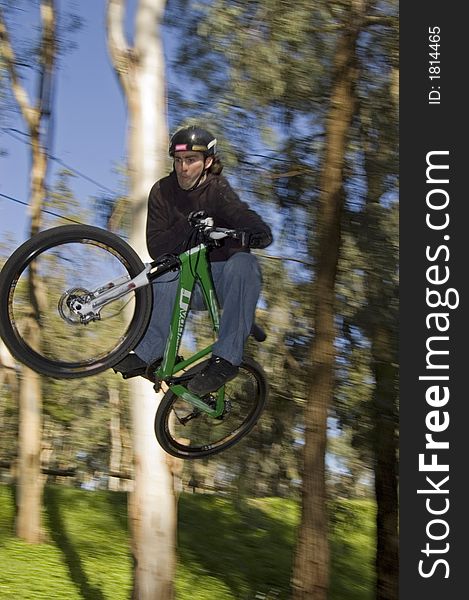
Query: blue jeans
[[237, 283]]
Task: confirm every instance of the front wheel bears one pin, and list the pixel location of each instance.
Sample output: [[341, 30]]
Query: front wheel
[[186, 432], [38, 285]]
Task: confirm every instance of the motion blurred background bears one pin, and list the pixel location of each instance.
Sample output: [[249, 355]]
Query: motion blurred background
[[303, 98]]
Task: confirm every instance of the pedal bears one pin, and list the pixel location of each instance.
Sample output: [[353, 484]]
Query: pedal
[[133, 373]]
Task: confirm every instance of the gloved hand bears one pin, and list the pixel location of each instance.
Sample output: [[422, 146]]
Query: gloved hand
[[199, 219], [254, 239]]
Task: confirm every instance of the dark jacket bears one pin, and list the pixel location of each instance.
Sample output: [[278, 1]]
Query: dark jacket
[[169, 206]]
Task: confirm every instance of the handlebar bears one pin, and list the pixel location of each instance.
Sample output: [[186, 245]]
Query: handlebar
[[170, 262], [219, 233]]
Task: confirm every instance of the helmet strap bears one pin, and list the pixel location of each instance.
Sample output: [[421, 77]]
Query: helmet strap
[[198, 181], [202, 174]]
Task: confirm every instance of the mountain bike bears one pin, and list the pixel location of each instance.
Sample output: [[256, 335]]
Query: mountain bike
[[93, 299]]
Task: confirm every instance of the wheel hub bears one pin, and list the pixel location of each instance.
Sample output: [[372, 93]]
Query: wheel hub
[[71, 304]]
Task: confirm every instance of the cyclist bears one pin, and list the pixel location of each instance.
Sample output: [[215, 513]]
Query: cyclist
[[192, 195]]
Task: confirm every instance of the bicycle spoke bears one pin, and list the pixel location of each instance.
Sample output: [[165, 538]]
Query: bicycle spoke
[[188, 432], [76, 267]]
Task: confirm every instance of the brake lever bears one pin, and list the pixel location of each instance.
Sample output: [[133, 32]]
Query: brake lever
[[244, 239]]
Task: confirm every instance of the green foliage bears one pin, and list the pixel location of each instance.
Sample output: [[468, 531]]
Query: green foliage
[[225, 550]]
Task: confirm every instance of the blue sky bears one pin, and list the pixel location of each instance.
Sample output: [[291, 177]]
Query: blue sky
[[89, 126]]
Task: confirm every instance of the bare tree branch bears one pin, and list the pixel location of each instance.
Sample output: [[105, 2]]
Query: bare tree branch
[[150, 12], [119, 50], [47, 57], [18, 89]]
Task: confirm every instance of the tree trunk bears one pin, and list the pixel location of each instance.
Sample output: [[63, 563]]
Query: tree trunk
[[311, 565], [7, 367], [30, 480], [152, 508], [116, 438], [385, 446], [386, 488], [35, 115], [381, 290], [152, 505]]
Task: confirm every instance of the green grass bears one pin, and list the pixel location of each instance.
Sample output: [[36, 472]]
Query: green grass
[[85, 554], [225, 551]]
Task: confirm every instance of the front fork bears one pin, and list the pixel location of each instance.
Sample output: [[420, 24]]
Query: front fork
[[88, 307]]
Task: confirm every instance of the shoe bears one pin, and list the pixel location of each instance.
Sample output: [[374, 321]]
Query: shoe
[[130, 366], [133, 366], [218, 372]]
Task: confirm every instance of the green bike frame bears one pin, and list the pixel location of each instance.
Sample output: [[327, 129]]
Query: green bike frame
[[194, 268]]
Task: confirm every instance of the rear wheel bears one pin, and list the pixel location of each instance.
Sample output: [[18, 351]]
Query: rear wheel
[[186, 432], [39, 283]]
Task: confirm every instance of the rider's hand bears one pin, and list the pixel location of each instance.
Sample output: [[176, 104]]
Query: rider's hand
[[199, 219], [254, 239]]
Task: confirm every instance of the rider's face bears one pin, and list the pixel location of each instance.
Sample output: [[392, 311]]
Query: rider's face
[[189, 166]]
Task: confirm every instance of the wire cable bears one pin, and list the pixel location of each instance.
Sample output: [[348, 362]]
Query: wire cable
[[44, 210], [12, 131]]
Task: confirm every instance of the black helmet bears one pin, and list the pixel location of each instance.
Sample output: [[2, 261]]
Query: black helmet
[[193, 138]]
